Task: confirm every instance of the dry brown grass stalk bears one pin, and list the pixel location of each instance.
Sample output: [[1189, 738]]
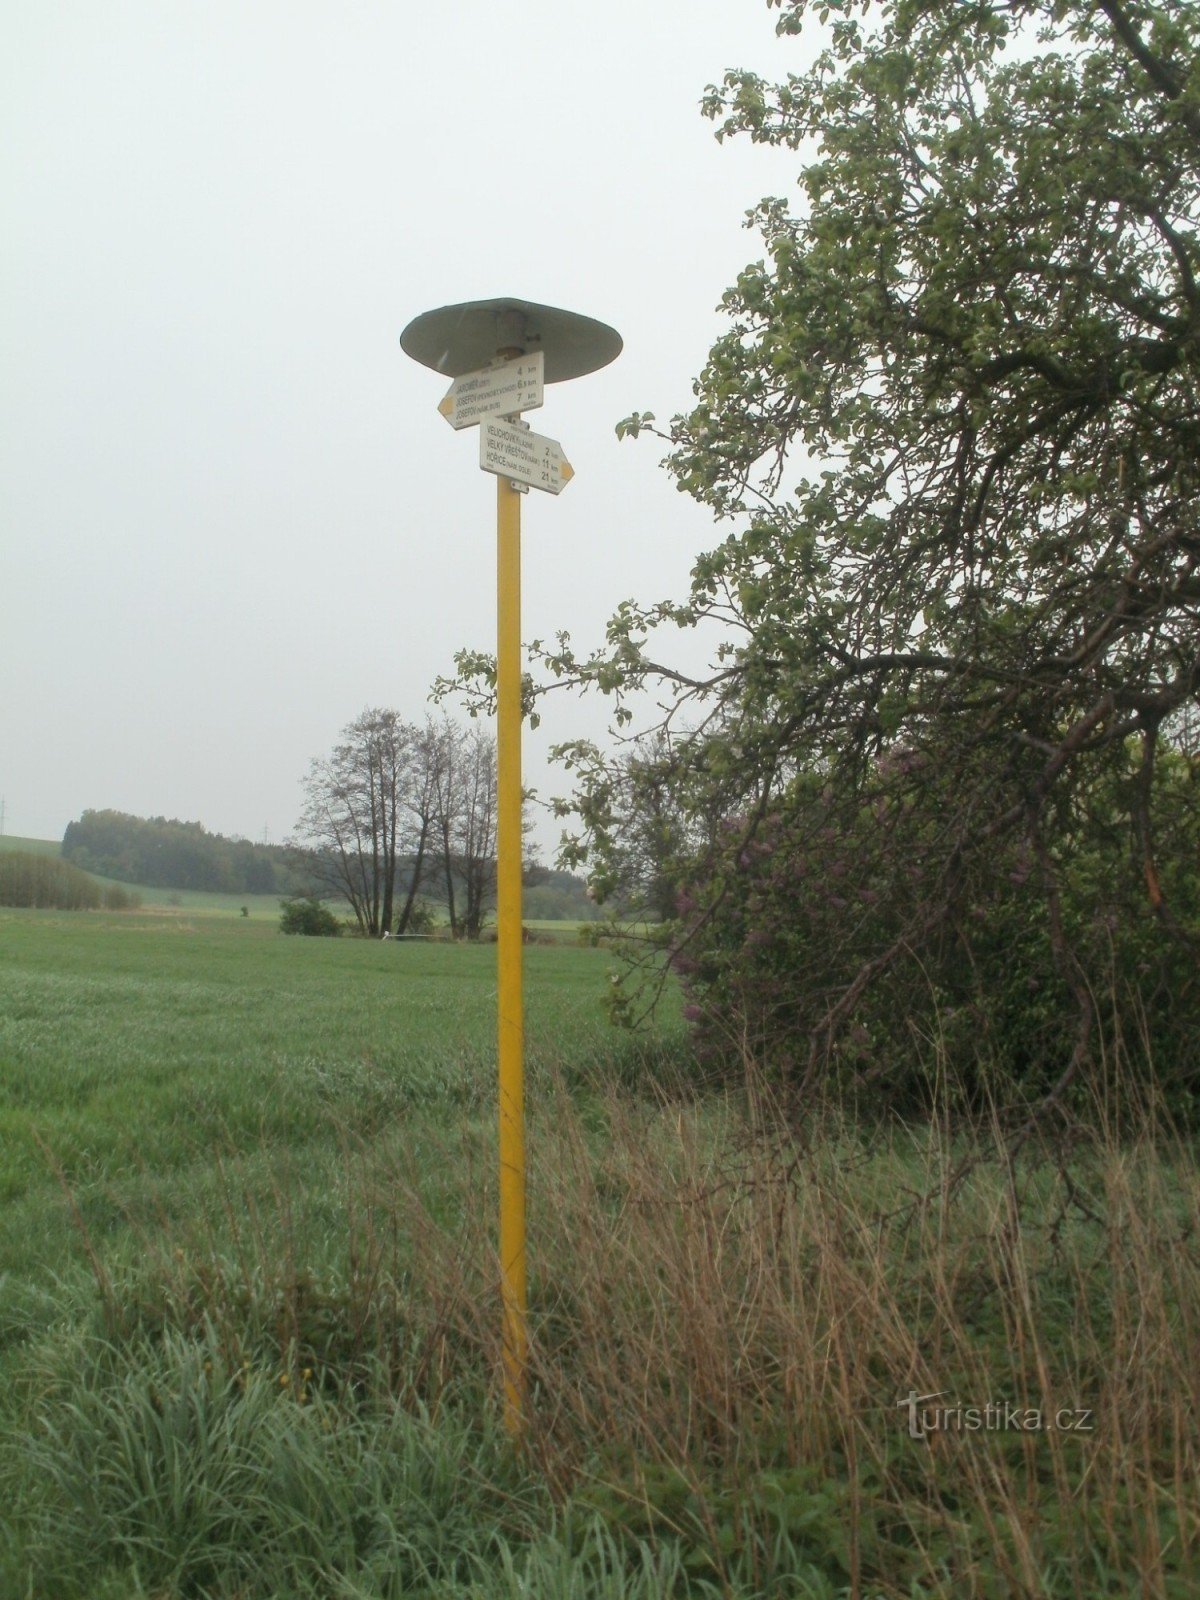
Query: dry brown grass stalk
[[744, 1313], [733, 1318]]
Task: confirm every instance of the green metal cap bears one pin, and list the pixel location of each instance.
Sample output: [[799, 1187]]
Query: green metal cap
[[462, 338]]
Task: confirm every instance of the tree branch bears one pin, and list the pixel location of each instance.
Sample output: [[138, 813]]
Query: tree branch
[[1163, 76]]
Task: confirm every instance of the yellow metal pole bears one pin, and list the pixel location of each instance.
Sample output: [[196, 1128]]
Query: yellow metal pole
[[508, 947]]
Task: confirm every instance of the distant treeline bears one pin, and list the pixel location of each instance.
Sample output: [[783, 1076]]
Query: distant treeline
[[550, 895], [45, 882], [162, 853], [166, 854]]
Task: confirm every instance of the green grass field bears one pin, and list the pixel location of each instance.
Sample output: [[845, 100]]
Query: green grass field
[[249, 1332], [137, 1043], [168, 1075]]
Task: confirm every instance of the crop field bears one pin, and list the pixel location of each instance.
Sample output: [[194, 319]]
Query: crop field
[[249, 1336]]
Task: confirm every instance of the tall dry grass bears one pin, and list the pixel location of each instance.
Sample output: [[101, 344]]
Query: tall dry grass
[[726, 1329]]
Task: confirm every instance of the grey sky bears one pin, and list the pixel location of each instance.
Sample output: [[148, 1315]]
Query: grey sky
[[232, 516]]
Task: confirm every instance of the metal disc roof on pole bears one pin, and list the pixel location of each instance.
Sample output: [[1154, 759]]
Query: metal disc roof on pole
[[456, 339]]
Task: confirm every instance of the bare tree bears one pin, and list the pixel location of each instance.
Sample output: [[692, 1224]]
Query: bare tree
[[396, 804], [476, 827], [466, 824], [350, 829], [420, 802]]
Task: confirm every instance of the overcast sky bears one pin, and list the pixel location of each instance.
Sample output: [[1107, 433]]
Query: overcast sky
[[232, 517]]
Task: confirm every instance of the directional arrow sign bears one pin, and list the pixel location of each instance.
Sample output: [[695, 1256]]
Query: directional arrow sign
[[497, 391], [526, 457]]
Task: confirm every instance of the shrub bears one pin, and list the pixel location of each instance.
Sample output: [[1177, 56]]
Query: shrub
[[853, 941], [45, 882], [118, 898], [421, 918], [305, 914]]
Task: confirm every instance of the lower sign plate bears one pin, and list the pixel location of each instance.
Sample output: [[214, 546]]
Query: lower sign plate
[[523, 456]]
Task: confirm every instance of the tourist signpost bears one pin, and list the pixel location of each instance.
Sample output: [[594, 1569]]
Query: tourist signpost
[[500, 353]]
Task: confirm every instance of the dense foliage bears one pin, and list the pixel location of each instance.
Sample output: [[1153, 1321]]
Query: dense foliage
[[164, 853], [45, 882], [303, 914], [941, 779]]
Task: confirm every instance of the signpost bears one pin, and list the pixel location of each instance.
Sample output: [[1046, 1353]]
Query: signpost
[[499, 353], [496, 391]]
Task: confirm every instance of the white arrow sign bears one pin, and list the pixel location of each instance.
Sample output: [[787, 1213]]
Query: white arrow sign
[[499, 391], [526, 457]]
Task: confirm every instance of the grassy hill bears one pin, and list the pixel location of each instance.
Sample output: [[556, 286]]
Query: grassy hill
[[195, 902], [33, 847]]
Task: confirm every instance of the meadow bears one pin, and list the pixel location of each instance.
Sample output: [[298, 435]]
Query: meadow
[[136, 1043], [249, 1333]]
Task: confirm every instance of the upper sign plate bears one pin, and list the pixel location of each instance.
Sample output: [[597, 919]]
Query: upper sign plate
[[501, 390]]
